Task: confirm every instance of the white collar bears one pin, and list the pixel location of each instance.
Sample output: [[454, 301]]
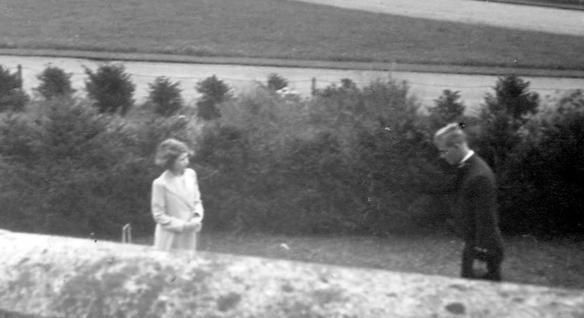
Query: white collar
[[468, 155], [182, 191], [170, 180]]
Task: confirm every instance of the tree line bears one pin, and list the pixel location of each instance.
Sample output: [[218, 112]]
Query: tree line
[[348, 159]]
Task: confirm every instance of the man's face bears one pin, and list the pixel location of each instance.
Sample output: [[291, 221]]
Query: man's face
[[452, 154]]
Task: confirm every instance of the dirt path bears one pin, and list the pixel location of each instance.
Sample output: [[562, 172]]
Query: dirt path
[[504, 15]]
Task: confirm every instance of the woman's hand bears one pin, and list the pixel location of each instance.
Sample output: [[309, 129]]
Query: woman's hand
[[192, 226]]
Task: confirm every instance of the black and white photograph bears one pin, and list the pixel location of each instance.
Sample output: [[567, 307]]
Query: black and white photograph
[[291, 158]]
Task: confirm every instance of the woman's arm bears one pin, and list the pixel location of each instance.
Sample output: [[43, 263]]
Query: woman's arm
[[199, 210]]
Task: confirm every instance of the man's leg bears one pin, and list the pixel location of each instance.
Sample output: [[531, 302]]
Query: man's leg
[[467, 263], [494, 267]]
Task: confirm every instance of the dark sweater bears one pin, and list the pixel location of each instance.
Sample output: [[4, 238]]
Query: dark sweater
[[476, 205]]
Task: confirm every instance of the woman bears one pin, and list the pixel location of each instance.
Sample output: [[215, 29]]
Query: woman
[[176, 201]]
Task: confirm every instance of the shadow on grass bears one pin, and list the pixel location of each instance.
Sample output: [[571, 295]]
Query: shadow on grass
[[557, 263]]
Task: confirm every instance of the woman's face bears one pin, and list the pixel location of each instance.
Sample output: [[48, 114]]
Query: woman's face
[[181, 162]]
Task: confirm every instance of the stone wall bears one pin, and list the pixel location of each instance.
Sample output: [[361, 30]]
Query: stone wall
[[50, 276]]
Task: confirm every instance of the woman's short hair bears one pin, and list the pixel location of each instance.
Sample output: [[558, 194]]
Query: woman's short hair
[[168, 150], [452, 134]]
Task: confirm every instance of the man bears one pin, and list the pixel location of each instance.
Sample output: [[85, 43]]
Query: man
[[476, 204]]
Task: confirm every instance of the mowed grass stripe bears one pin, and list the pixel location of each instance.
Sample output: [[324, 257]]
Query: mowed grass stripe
[[274, 29]]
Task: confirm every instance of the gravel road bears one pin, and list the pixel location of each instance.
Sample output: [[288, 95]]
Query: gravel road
[[426, 86], [522, 17]]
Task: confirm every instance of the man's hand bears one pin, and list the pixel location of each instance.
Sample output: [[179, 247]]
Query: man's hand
[[481, 253], [480, 249]]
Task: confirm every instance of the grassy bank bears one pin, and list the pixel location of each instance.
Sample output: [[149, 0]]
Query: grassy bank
[[528, 261], [276, 29]]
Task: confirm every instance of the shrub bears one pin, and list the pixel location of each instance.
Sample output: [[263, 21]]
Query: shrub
[[447, 109], [74, 172], [320, 178], [241, 148], [502, 117], [207, 110], [229, 190], [54, 83], [213, 91], [165, 96], [12, 98], [502, 121], [315, 166], [276, 82], [379, 133], [19, 138], [68, 169], [546, 179], [351, 160], [150, 131], [512, 97], [110, 88], [348, 84]]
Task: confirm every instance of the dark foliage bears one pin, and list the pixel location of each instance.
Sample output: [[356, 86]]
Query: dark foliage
[[336, 164], [276, 82], [207, 110], [502, 117], [545, 178], [349, 160], [70, 170], [447, 109], [54, 83], [110, 88], [214, 91], [165, 96], [12, 98]]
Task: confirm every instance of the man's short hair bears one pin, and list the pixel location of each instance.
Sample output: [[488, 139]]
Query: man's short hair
[[452, 134], [169, 150]]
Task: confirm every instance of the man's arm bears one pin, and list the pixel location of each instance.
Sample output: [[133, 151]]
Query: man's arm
[[438, 184], [482, 196]]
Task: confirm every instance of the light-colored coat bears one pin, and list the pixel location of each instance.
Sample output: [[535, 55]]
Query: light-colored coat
[[176, 200]]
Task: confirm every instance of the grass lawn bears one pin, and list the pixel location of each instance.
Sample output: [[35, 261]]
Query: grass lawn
[[274, 28], [528, 261]]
